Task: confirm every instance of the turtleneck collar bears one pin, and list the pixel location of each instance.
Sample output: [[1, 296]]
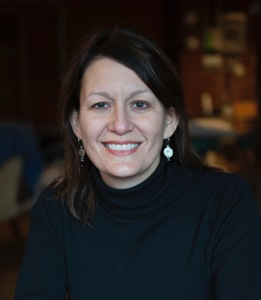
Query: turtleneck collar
[[143, 199]]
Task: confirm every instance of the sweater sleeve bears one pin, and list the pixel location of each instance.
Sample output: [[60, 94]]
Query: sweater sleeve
[[235, 234], [43, 271]]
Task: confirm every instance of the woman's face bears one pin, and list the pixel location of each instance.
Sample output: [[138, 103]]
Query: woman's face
[[121, 123]]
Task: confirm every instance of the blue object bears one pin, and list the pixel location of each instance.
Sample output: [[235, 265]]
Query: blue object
[[19, 138]]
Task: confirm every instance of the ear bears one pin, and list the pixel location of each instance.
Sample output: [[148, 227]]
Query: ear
[[74, 120], [172, 121]]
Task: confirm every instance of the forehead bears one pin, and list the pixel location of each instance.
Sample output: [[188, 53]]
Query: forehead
[[106, 72]]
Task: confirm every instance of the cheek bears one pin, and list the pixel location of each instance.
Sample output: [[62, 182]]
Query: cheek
[[153, 130], [87, 130], [92, 131], [156, 127]]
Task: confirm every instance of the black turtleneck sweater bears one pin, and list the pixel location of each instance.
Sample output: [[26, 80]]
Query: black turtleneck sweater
[[192, 235]]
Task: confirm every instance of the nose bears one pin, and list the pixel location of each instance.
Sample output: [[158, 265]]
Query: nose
[[120, 122]]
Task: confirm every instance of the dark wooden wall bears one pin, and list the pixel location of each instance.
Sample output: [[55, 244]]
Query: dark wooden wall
[[37, 38]]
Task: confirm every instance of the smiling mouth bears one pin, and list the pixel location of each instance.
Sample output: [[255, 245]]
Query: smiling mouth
[[122, 147]]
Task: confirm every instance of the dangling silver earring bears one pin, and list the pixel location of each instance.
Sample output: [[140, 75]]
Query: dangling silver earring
[[81, 153], [168, 152]]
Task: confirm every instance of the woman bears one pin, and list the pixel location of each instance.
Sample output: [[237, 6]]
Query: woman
[[135, 214]]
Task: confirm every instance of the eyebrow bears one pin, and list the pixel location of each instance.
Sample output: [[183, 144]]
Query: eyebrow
[[132, 94], [137, 92]]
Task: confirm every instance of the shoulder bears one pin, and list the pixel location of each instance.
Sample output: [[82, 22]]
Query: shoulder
[[48, 197], [48, 206], [228, 202], [230, 196], [218, 188], [215, 179], [47, 194]]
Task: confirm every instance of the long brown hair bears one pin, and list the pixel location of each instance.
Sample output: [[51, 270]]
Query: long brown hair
[[155, 68]]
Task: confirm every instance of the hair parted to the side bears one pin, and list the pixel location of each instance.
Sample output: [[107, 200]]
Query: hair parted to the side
[[156, 70]]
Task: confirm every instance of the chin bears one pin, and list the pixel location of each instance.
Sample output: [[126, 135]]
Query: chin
[[124, 170]]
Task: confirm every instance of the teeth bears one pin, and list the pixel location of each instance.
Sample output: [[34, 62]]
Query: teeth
[[121, 147]]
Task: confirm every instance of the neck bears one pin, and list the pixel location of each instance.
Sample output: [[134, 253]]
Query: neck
[[140, 199]]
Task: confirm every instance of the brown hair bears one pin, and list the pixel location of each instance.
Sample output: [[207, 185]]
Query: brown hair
[[157, 71]]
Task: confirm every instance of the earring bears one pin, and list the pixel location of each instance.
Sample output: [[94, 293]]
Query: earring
[[81, 153], [168, 152]]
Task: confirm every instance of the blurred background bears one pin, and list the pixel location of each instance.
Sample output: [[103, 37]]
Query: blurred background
[[215, 45]]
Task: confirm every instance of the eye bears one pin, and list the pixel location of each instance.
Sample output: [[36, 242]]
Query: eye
[[100, 105], [140, 104]]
